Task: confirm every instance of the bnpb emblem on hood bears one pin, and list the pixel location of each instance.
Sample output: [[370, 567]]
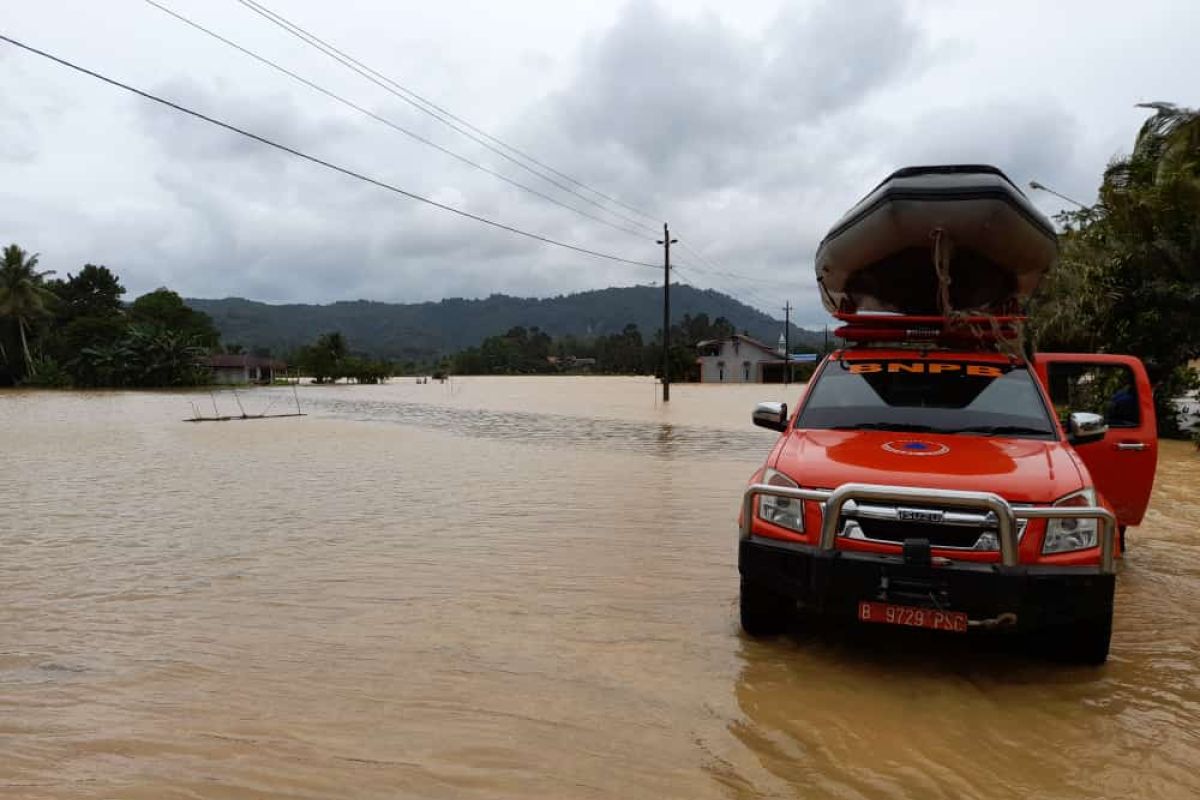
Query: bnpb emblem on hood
[[916, 447]]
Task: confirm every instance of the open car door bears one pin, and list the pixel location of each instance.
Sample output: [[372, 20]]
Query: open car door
[[1123, 463]]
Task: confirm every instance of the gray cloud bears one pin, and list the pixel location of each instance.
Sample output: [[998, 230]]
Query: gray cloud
[[695, 104], [750, 127], [274, 116], [741, 139], [836, 54], [1030, 139], [18, 142]]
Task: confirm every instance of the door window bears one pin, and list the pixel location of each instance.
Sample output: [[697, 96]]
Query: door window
[[1105, 389]]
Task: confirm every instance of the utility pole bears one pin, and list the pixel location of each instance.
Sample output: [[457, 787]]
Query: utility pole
[[787, 342], [666, 242]]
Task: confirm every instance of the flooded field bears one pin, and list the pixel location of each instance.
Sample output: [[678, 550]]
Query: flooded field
[[518, 588]]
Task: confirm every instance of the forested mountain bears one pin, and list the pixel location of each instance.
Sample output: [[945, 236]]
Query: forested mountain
[[420, 331]]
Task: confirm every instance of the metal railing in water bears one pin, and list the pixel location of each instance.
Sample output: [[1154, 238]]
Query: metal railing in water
[[832, 503]]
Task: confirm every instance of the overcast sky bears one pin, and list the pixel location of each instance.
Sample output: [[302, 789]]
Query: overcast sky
[[750, 126]]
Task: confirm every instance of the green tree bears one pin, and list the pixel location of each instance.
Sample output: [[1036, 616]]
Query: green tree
[[89, 313], [1129, 273], [160, 356], [520, 351], [24, 296], [365, 370], [1065, 311], [86, 332], [165, 309], [104, 365], [94, 292], [622, 353], [467, 362], [324, 360]]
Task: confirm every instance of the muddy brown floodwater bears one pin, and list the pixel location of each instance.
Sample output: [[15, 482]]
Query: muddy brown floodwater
[[519, 588]]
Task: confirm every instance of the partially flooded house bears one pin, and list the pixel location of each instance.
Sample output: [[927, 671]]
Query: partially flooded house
[[243, 368]]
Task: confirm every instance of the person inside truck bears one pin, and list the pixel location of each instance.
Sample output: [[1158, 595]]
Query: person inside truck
[[1123, 407]]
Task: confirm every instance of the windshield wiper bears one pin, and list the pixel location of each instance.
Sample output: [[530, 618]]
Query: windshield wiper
[[1002, 430], [906, 427]]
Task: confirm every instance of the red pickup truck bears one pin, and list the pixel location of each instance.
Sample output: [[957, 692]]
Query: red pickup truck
[[951, 487]]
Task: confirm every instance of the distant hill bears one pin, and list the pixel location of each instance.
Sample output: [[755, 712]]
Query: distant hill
[[420, 331]]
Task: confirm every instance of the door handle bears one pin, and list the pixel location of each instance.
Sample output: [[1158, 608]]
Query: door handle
[[1132, 445]]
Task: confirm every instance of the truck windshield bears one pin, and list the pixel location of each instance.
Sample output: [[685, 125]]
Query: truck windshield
[[922, 395]]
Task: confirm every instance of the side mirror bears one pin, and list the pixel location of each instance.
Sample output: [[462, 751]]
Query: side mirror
[[1084, 427], [771, 415]]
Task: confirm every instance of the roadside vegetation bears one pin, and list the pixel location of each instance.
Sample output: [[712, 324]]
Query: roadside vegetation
[[1128, 278], [328, 360], [77, 331]]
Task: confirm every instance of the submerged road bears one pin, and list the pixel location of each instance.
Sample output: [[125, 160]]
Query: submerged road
[[509, 587]]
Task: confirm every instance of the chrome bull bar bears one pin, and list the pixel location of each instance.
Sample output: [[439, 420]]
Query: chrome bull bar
[[833, 501]]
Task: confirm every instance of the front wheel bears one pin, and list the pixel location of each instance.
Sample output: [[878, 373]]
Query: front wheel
[[764, 612]]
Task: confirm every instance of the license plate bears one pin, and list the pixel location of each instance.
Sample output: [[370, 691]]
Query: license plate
[[912, 616]]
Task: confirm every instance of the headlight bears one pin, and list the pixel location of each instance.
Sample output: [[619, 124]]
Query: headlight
[[782, 511], [1066, 535]]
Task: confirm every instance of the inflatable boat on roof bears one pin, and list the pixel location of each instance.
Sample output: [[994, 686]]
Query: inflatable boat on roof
[[966, 223]]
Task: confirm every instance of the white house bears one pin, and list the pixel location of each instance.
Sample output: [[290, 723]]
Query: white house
[[242, 368], [738, 359]]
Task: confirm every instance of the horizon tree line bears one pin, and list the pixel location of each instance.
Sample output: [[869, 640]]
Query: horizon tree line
[[1128, 280]]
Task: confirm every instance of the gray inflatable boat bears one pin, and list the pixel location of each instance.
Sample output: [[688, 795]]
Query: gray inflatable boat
[[990, 241]]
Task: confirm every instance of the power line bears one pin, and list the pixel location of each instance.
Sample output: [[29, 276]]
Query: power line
[[315, 160], [716, 269], [742, 296], [427, 107], [441, 114], [746, 294], [697, 253], [741, 277], [262, 9], [388, 122]]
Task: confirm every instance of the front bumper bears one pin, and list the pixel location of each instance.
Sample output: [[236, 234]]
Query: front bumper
[[1021, 597]]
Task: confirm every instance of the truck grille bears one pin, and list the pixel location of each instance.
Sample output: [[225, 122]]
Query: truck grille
[[955, 529]]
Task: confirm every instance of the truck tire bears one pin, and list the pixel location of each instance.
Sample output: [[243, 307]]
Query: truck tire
[[764, 612]]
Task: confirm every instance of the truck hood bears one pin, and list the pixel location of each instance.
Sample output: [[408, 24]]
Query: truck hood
[[1019, 470]]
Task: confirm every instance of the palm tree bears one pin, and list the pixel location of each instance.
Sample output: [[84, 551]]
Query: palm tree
[[1171, 139], [1167, 147], [24, 295]]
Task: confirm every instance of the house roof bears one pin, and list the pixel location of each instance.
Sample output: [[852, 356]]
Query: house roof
[[747, 339]]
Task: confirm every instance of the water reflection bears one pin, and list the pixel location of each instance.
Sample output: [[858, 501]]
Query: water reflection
[[902, 716], [558, 430]]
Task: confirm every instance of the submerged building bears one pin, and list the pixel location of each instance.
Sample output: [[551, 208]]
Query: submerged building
[[742, 359], [241, 368]]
